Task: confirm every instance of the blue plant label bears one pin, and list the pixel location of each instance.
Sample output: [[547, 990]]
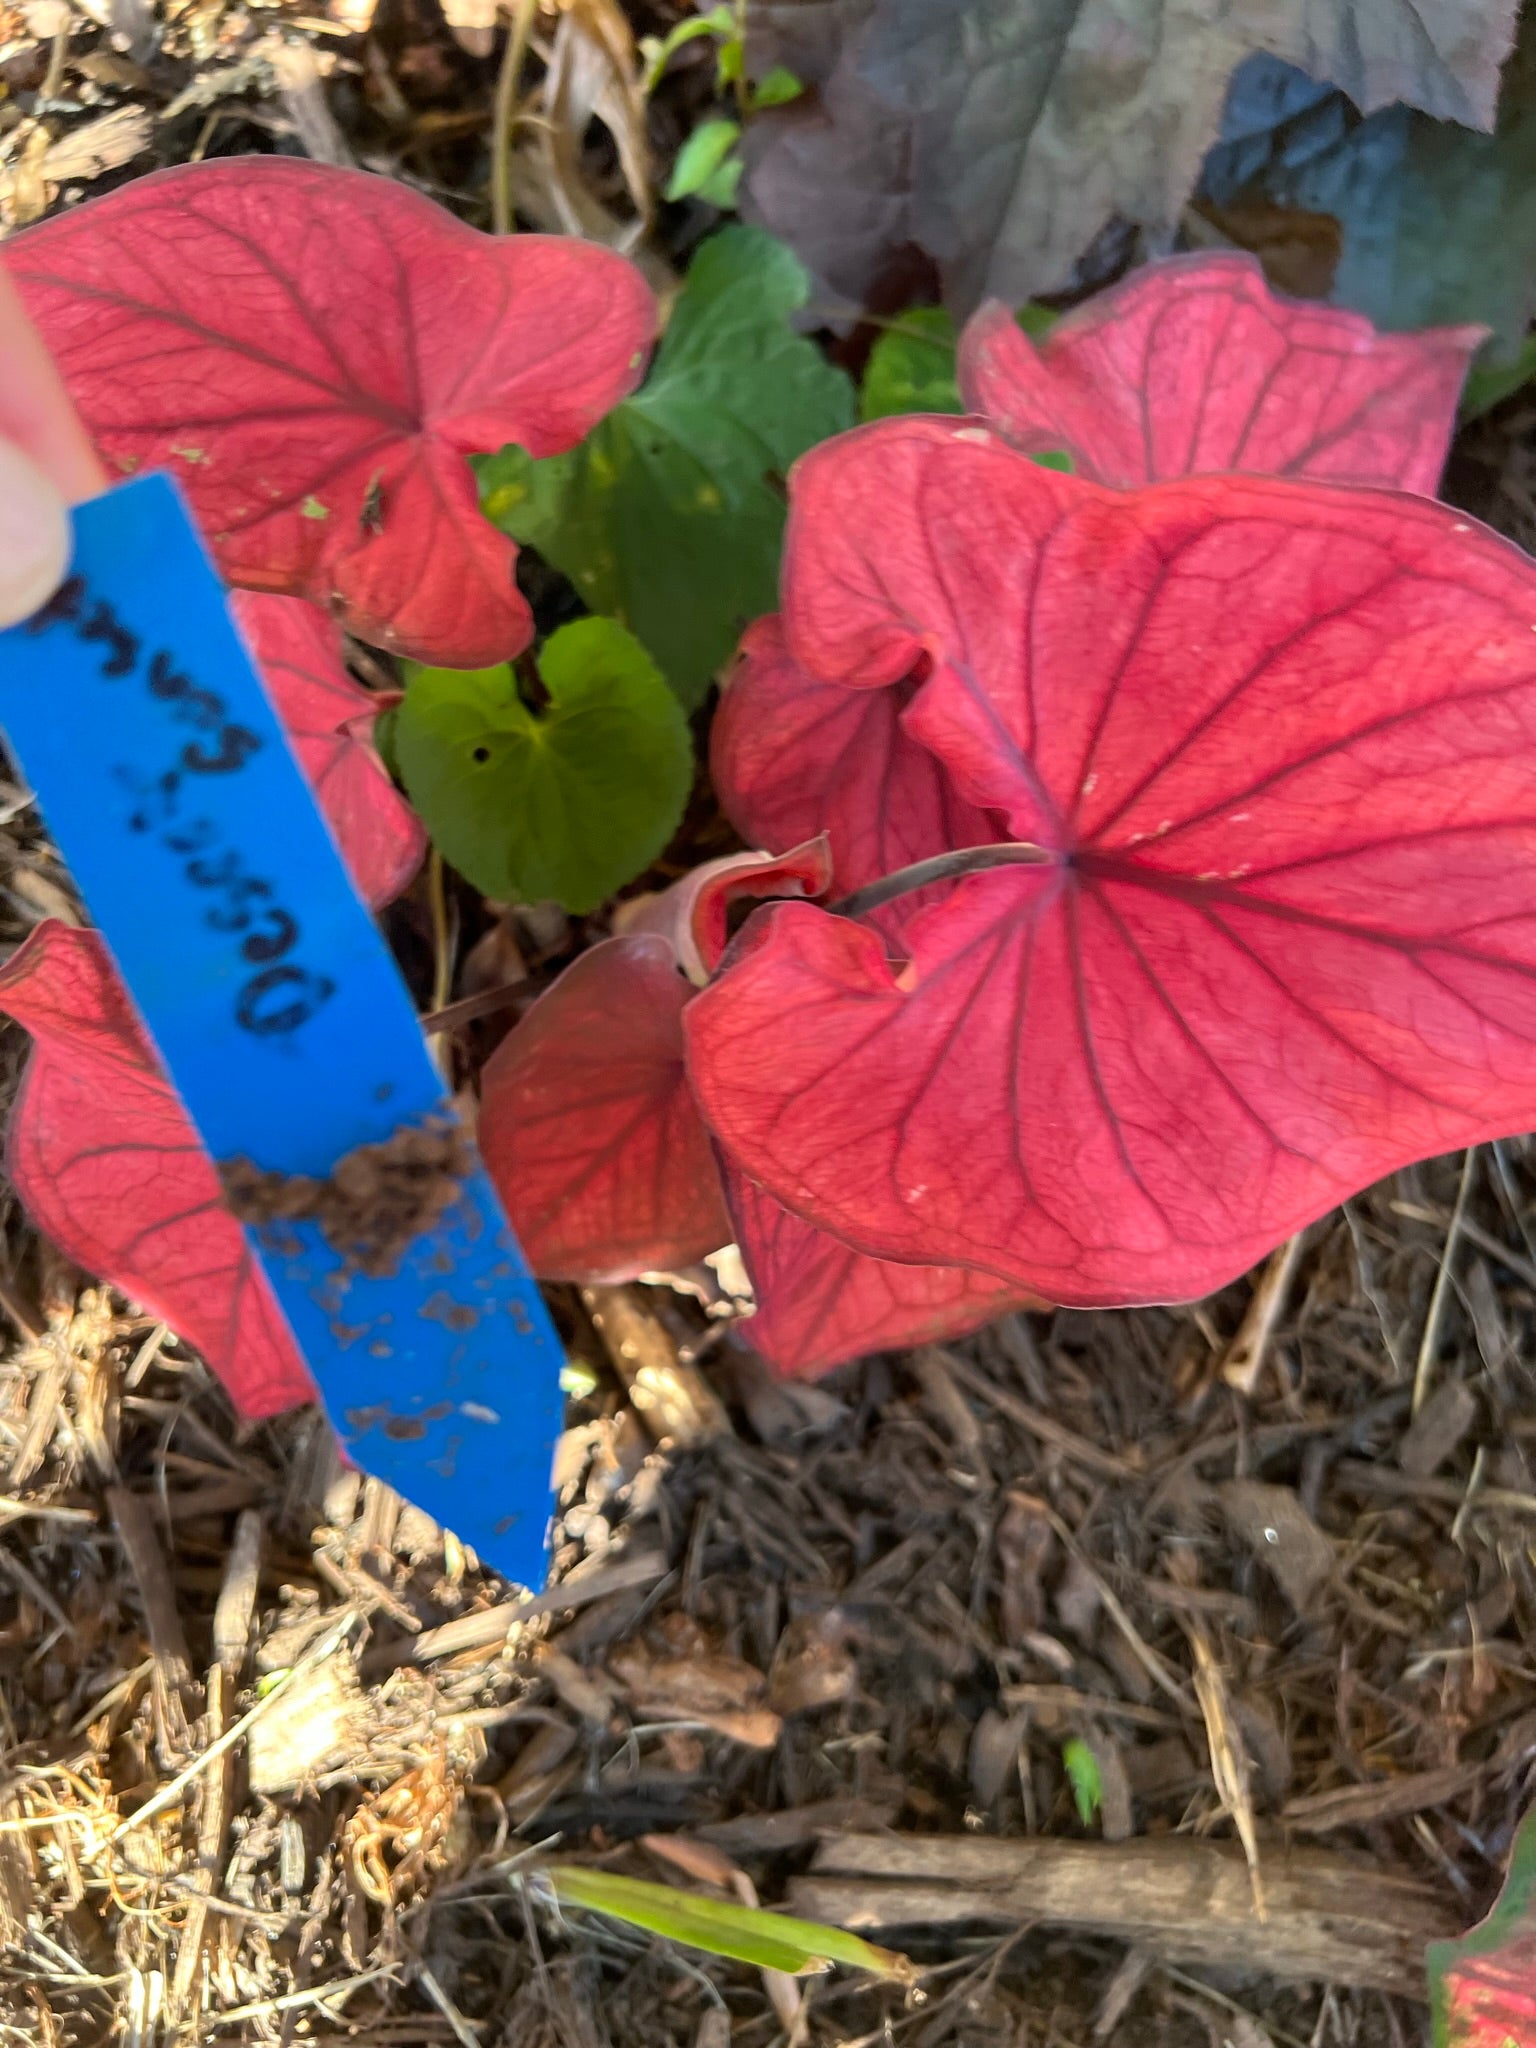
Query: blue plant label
[[170, 788]]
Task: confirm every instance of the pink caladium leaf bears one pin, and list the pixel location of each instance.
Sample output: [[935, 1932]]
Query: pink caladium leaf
[[587, 1123], [821, 1303], [1483, 1987], [591, 1132], [328, 718], [1194, 367], [588, 1126], [314, 353], [102, 1154], [793, 756], [1267, 749]]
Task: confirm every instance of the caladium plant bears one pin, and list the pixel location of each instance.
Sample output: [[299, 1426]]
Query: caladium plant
[[1180, 891], [592, 1130], [330, 719], [1173, 831]]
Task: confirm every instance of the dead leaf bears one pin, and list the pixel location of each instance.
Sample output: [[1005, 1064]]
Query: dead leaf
[[317, 1726], [593, 73], [996, 1743], [1003, 135], [471, 23], [585, 1694]]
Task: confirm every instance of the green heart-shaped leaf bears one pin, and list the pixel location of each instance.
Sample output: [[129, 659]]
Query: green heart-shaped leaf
[[567, 803]]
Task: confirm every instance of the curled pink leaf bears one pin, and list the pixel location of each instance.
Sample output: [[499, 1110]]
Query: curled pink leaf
[[792, 756], [101, 1152], [1274, 744], [328, 718], [314, 353], [1194, 367], [821, 1303], [588, 1126], [693, 915]]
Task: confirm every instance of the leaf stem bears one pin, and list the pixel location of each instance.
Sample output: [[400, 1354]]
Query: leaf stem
[[442, 956], [504, 113], [940, 867]]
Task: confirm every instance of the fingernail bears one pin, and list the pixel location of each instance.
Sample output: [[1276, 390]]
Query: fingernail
[[34, 536]]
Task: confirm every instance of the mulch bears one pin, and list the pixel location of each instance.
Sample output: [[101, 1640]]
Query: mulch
[[884, 1603], [280, 1762]]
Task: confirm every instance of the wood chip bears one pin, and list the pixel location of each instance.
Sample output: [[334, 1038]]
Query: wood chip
[[1282, 1535], [1385, 1799], [1331, 1919], [1439, 1429]]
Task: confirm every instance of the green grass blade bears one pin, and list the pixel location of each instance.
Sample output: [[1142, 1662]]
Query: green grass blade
[[746, 1934]]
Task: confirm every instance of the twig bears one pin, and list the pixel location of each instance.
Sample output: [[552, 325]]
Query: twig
[[463, 2032], [293, 2001], [172, 1678], [1474, 1233], [1429, 1342], [12, 1510], [489, 1627], [1228, 1752], [25, 1323], [1249, 1349], [504, 113], [57, 57]]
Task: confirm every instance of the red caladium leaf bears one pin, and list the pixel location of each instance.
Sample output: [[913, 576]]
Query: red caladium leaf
[[314, 352], [588, 1126], [1194, 366], [590, 1131], [821, 1303], [328, 717], [1270, 748], [1483, 1987], [108, 1166], [587, 1123], [793, 756]]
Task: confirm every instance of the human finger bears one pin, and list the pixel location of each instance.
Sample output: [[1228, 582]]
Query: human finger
[[34, 535], [36, 414]]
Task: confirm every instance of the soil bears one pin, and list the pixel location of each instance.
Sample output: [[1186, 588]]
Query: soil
[[1268, 1556], [376, 1203]]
